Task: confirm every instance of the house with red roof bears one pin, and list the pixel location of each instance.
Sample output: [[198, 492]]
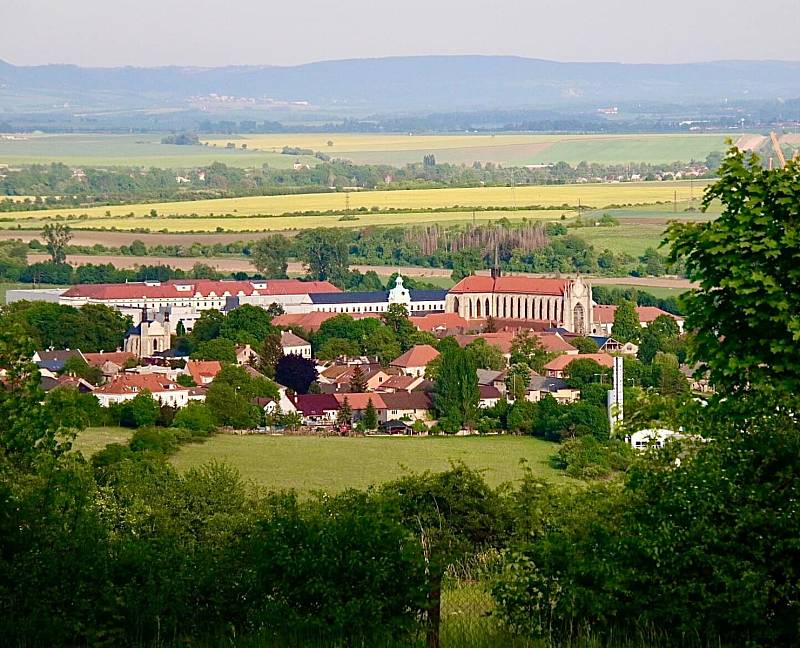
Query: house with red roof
[[556, 367], [126, 386], [561, 302], [604, 317], [405, 406], [110, 362], [414, 361], [203, 372]]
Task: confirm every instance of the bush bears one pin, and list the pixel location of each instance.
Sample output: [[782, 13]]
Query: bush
[[197, 418], [159, 440], [586, 457]]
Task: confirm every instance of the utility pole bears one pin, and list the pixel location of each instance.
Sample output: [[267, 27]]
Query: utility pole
[[675, 202]]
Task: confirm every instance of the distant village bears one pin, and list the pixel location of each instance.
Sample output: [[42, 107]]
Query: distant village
[[495, 309]]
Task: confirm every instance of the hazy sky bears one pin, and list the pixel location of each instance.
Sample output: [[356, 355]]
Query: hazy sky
[[221, 32]]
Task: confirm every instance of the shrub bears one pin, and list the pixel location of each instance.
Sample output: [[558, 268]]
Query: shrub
[[197, 418], [149, 439], [586, 457]]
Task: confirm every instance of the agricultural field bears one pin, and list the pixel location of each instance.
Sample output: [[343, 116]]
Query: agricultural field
[[143, 150], [236, 223], [506, 149], [207, 215], [333, 464], [626, 238]]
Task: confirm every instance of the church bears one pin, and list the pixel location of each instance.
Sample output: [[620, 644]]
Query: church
[[561, 303], [150, 336]]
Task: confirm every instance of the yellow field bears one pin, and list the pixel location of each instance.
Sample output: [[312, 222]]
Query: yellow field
[[594, 195], [346, 142], [254, 223]]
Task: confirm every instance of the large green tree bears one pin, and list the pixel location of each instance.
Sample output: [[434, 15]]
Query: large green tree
[[745, 310], [626, 327], [527, 348], [325, 253], [457, 394], [270, 256]]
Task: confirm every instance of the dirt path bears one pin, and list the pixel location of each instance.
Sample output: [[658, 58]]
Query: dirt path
[[243, 265]]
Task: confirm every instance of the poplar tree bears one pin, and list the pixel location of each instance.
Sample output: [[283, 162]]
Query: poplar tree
[[627, 327], [457, 393]]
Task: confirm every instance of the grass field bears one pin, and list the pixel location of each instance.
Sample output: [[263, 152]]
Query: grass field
[[626, 238], [332, 464], [656, 291], [131, 150], [92, 440], [507, 149], [593, 195]]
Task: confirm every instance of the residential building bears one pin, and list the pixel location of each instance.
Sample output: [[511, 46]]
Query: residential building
[[55, 359], [541, 386], [555, 368], [489, 396], [124, 387], [604, 317], [414, 361], [316, 409], [203, 372], [413, 406], [295, 345], [245, 355], [110, 362]]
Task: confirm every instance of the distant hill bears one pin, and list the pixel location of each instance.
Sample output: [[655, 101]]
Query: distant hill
[[402, 83]]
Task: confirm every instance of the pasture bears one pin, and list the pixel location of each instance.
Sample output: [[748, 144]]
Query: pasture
[[207, 215], [333, 464], [144, 150], [507, 148], [93, 440], [627, 238]]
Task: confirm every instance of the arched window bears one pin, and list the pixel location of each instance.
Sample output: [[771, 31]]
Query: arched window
[[469, 301], [578, 320], [478, 308], [456, 304], [488, 309]]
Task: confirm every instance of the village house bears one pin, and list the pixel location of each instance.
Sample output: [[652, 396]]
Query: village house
[[111, 362], [54, 360], [245, 355], [292, 344], [358, 403], [489, 396], [541, 386], [555, 368], [414, 361], [413, 406], [203, 372], [127, 386], [316, 409], [604, 318], [401, 383]]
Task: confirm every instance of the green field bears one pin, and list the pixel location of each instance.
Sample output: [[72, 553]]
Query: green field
[[506, 148], [131, 150], [92, 440], [626, 238], [656, 291], [333, 464]]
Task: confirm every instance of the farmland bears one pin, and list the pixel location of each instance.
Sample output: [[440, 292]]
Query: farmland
[[506, 149], [333, 464], [143, 150], [235, 213]]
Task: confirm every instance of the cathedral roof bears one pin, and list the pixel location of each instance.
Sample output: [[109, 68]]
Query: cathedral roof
[[516, 285]]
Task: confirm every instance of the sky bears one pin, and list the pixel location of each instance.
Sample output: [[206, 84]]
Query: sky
[[269, 32]]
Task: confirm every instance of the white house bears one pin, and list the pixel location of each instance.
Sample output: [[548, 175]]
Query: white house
[[125, 387], [295, 345]]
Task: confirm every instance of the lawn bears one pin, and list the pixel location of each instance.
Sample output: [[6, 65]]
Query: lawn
[[507, 148], [92, 440], [143, 150], [333, 464]]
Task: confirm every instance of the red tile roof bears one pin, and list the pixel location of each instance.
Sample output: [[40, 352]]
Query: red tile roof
[[561, 362], [312, 321], [359, 401], [604, 313], [552, 342], [119, 358], [203, 287], [441, 321], [203, 370], [521, 285], [400, 383], [417, 356], [134, 383]]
